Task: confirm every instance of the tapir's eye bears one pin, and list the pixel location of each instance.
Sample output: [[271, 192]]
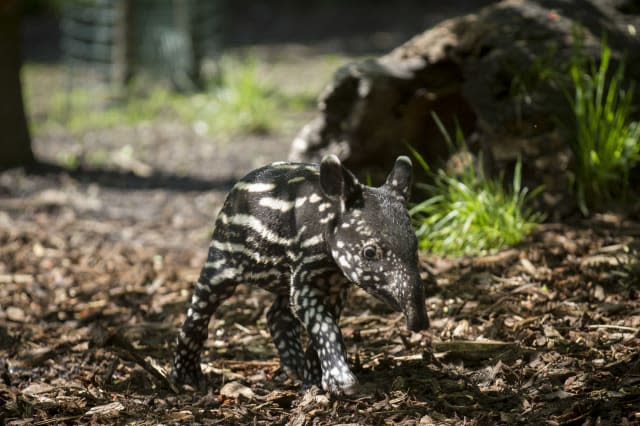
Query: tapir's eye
[[369, 252]]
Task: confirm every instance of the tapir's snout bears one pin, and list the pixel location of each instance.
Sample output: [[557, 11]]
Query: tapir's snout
[[406, 296], [415, 310], [418, 323]]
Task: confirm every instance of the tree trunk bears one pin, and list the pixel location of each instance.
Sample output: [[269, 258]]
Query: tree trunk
[[15, 143]]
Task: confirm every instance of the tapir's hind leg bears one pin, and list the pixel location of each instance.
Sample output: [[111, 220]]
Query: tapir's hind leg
[[217, 282], [285, 331]]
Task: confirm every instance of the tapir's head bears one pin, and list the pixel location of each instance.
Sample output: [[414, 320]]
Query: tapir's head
[[372, 240]]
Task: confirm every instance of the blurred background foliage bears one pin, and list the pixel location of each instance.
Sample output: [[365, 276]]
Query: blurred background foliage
[[234, 69]]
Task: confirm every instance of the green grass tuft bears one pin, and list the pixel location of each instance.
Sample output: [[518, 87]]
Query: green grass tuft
[[467, 214], [606, 142]]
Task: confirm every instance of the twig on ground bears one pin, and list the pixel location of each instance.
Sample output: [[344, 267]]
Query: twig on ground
[[634, 330]]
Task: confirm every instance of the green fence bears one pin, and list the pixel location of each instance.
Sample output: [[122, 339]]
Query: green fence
[[119, 38]]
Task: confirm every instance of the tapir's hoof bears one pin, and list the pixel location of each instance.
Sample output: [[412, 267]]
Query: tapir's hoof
[[193, 379], [345, 385], [351, 390]]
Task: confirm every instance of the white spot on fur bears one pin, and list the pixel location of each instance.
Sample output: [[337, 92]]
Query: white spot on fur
[[311, 259], [254, 187], [215, 265], [225, 274], [259, 276], [322, 207], [314, 198], [317, 239], [276, 204], [246, 251], [283, 165], [256, 225], [329, 217]]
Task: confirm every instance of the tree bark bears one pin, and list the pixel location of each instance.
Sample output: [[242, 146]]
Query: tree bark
[[15, 143]]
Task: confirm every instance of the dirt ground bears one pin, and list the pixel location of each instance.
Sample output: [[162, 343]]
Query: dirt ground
[[96, 268]]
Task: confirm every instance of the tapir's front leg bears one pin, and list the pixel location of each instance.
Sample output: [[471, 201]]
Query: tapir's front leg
[[311, 300]]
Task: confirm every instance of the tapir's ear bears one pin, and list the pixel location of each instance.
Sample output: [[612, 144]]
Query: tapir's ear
[[336, 182], [399, 180]]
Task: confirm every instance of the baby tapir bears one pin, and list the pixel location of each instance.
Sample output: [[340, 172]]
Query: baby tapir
[[305, 232]]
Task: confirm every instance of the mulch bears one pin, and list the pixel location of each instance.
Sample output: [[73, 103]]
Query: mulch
[[546, 332]]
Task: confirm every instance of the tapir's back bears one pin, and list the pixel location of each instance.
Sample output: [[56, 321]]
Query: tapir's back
[[279, 181], [262, 221]]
